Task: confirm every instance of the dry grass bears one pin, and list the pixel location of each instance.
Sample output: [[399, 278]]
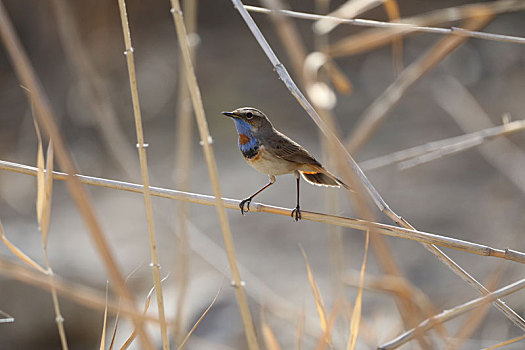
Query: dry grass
[[323, 81]]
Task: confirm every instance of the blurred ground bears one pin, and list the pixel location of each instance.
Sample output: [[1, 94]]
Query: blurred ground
[[461, 196]]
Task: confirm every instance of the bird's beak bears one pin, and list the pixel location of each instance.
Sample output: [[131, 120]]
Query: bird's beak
[[229, 114]]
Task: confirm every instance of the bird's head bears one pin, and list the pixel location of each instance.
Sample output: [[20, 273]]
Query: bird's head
[[249, 118]]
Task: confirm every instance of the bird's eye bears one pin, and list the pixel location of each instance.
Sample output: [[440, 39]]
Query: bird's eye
[[249, 115]]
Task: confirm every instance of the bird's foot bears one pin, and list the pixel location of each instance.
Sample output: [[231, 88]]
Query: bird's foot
[[296, 213], [244, 202]]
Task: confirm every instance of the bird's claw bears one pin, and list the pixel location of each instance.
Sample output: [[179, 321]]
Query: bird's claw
[[296, 213], [246, 201]]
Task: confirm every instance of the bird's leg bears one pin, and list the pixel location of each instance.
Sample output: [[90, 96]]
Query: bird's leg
[[296, 213], [248, 200]]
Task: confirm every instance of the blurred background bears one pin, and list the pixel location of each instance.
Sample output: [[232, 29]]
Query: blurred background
[[76, 49]]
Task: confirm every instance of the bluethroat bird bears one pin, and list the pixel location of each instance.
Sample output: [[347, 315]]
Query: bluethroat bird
[[273, 153]]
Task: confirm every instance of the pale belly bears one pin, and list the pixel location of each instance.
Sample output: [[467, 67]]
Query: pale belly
[[267, 163]]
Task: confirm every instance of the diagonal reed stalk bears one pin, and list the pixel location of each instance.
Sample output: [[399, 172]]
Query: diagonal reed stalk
[[361, 225], [454, 312], [45, 115], [352, 171], [249, 327], [155, 266]]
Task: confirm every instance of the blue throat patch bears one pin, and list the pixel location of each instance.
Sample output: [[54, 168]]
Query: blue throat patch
[[250, 148]]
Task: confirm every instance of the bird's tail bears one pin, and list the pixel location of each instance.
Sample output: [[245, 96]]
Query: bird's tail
[[323, 178]]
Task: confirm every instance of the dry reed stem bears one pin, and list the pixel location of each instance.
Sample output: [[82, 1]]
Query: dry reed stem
[[355, 320], [436, 149], [19, 253], [379, 110], [270, 340], [319, 302], [155, 265], [96, 89], [362, 225], [83, 295], [103, 335], [351, 169], [375, 38], [454, 312], [147, 304], [507, 158], [43, 111], [117, 316], [133, 334], [45, 216], [181, 346], [249, 327], [182, 175], [506, 342]]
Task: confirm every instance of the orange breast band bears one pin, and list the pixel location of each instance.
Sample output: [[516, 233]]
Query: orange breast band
[[243, 139]]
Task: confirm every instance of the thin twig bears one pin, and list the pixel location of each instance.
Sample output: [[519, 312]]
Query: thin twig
[[454, 312], [506, 342], [191, 79], [408, 27], [43, 111], [181, 346], [362, 225], [155, 265], [352, 171]]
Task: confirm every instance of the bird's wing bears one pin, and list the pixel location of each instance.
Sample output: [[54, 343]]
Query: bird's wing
[[285, 148]]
